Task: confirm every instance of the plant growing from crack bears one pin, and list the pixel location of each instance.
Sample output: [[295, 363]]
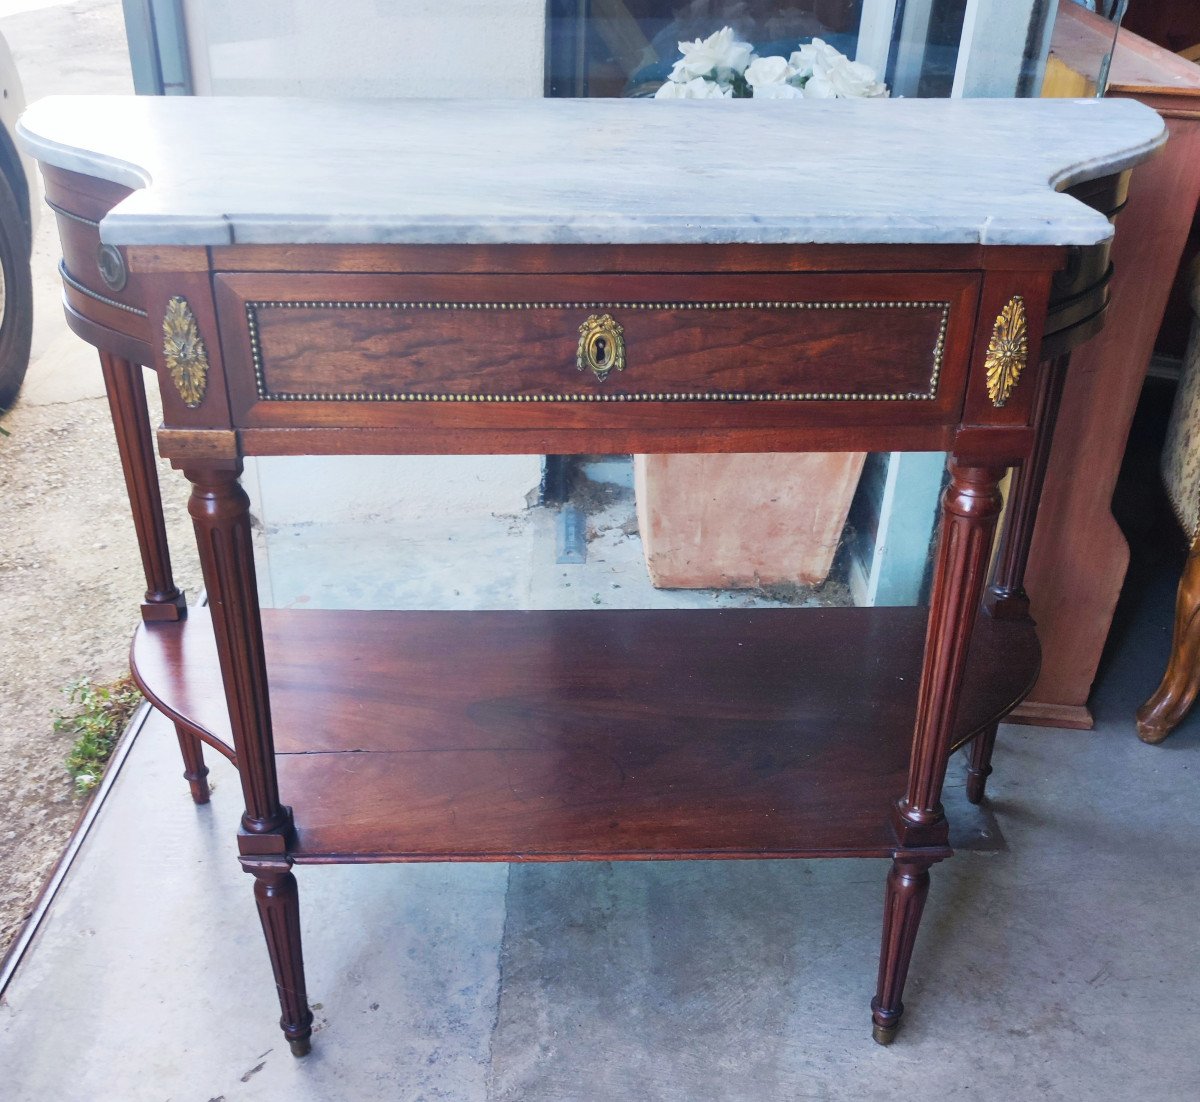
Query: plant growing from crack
[[97, 717]]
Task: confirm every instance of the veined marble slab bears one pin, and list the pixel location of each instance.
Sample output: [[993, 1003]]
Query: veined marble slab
[[219, 171]]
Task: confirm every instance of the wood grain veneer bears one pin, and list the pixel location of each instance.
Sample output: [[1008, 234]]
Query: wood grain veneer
[[597, 734]]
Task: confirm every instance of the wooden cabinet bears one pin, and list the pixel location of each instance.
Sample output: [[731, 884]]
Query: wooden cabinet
[[534, 736], [1079, 556]]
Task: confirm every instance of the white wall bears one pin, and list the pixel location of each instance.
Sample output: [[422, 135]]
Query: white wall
[[438, 48], [393, 48]]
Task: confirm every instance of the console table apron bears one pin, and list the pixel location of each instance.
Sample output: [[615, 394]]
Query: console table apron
[[567, 276]]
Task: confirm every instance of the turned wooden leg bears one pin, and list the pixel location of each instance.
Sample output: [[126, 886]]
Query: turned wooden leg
[[903, 902], [1173, 698], [220, 512], [979, 766], [279, 911], [970, 507], [1006, 598], [126, 389], [195, 772]]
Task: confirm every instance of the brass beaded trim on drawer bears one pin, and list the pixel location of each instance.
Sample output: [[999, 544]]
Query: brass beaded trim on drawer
[[252, 309]]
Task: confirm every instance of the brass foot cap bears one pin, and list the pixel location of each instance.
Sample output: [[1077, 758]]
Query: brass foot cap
[[300, 1046], [884, 1034]]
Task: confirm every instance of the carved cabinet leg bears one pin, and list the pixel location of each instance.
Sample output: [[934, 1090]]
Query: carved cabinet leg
[[979, 766], [279, 911], [1173, 698], [126, 389], [904, 900], [970, 507], [1006, 598], [195, 772], [220, 512]]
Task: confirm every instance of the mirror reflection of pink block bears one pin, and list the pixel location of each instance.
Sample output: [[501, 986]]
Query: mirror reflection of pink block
[[743, 521]]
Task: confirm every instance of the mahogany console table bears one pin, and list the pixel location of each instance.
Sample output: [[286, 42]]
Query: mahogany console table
[[585, 276]]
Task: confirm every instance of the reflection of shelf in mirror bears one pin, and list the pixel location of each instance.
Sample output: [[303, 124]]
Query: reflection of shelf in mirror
[[603, 734]]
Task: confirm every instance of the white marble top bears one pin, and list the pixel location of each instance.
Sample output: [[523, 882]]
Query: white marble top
[[216, 171]]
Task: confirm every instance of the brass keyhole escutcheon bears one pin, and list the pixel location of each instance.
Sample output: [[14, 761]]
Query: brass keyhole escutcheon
[[601, 346]]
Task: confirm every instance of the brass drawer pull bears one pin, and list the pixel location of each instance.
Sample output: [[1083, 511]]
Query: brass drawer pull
[[601, 346]]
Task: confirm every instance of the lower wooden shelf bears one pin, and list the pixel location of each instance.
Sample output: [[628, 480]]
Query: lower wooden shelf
[[616, 734]]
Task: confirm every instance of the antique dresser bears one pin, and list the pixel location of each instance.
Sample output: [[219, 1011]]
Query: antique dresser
[[586, 276]]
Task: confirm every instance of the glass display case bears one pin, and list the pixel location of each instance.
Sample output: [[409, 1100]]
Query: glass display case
[[924, 48]]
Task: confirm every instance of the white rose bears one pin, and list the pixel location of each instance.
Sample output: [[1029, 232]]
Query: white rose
[[830, 74], [777, 91], [814, 55], [696, 88], [818, 87], [720, 53], [672, 90], [768, 70], [854, 80]]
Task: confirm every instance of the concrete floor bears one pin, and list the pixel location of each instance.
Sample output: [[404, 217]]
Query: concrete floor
[[1057, 958]]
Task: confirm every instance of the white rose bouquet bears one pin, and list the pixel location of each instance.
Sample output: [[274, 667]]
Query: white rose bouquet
[[721, 67]]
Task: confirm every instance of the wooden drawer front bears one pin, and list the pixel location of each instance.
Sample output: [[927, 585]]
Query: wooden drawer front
[[518, 339]]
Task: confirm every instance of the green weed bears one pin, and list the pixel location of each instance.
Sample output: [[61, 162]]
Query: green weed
[[97, 717]]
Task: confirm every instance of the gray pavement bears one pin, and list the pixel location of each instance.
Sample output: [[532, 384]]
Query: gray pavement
[[1056, 960], [1060, 967]]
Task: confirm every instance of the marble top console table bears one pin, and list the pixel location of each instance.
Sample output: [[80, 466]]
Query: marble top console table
[[600, 276]]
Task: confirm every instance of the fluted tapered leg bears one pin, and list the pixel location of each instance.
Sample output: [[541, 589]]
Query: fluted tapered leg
[[904, 900], [164, 600], [195, 772], [970, 507], [979, 766], [1006, 598], [220, 513], [279, 911]]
